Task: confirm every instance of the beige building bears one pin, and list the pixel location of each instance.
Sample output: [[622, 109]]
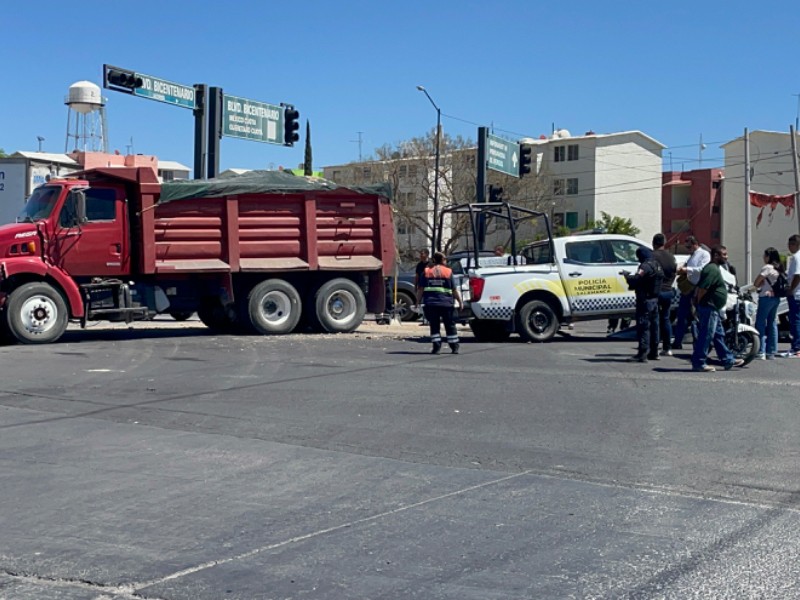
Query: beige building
[[771, 174]]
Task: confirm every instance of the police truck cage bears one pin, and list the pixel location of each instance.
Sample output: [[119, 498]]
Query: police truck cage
[[479, 212]]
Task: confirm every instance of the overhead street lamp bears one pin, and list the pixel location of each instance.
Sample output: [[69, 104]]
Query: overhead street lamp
[[436, 165]]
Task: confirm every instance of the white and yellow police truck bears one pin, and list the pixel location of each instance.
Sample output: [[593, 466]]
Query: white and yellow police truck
[[548, 283]]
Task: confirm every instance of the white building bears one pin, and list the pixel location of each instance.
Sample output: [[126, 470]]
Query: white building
[[771, 174], [615, 173], [22, 172]]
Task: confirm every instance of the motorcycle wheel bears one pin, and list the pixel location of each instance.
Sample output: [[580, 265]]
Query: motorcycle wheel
[[747, 344]]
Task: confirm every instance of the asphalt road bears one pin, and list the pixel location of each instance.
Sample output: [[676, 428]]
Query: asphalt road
[[167, 463]]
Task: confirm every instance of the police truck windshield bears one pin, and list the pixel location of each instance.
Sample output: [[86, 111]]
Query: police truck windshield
[[40, 204]]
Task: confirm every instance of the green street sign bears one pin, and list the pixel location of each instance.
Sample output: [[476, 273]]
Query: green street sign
[[162, 90], [251, 120], [502, 155]]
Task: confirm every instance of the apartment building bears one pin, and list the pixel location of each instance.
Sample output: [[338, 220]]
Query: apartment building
[[773, 216], [691, 205]]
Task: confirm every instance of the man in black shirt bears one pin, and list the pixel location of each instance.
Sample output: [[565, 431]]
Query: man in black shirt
[[646, 282], [667, 292]]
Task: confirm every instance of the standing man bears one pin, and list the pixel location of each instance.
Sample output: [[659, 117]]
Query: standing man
[[690, 273], [667, 292], [726, 264], [710, 297], [424, 261], [440, 294], [646, 282], [793, 295]]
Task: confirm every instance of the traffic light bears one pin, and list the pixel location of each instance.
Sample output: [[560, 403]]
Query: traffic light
[[290, 125], [525, 159], [121, 80], [495, 193]]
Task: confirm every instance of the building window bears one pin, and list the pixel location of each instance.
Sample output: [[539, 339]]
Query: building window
[[715, 235], [558, 153], [558, 187], [167, 175], [715, 209], [715, 185], [403, 170], [572, 186], [572, 152], [679, 225], [366, 172], [336, 175], [402, 227], [412, 170]]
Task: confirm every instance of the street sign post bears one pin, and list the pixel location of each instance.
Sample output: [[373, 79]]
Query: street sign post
[[502, 155], [155, 88], [251, 120]]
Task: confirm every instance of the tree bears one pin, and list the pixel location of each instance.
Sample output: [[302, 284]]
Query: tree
[[409, 166], [611, 224], [3, 153], [307, 167]]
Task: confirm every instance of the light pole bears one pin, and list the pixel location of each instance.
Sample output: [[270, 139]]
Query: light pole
[[436, 165], [40, 139]]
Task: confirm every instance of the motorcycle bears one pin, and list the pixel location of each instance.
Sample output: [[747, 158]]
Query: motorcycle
[[741, 336]]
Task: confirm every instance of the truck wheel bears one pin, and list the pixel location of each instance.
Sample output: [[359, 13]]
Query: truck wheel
[[36, 314], [214, 316], [403, 307], [537, 322], [340, 306], [273, 307], [181, 315], [489, 331]]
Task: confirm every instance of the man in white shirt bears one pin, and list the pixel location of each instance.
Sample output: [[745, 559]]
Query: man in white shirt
[[793, 297], [699, 258]]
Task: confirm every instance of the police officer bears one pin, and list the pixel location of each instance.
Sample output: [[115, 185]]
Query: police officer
[[646, 282], [439, 294]]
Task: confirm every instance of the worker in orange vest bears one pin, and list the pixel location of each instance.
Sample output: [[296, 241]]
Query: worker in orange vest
[[439, 294]]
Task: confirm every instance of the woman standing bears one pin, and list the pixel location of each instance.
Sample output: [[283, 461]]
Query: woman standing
[[766, 321]]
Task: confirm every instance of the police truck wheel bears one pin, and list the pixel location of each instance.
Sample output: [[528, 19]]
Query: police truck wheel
[[340, 306], [181, 315], [537, 322], [489, 331], [36, 314], [273, 307]]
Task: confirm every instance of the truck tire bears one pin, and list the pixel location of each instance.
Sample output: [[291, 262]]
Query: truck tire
[[340, 306], [537, 322], [214, 316], [273, 307], [36, 313], [489, 331], [181, 315]]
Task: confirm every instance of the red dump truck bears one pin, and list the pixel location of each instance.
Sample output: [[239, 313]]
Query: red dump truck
[[266, 252]]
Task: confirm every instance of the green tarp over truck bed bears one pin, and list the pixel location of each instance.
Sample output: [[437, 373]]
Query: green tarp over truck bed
[[258, 182]]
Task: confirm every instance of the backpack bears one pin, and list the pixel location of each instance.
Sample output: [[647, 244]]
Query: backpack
[[780, 288]]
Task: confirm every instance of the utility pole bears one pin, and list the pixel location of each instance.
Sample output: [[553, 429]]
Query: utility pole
[[797, 117], [748, 233], [793, 135], [358, 141]]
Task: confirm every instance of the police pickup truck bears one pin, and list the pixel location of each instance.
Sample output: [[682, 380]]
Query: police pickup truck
[[550, 282]]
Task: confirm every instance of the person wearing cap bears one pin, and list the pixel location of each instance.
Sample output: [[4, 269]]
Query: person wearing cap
[[440, 294], [646, 282]]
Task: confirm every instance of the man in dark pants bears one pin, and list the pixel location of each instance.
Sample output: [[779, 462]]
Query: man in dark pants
[[667, 292], [646, 282], [439, 293]]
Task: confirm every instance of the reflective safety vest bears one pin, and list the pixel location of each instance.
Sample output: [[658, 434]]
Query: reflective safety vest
[[438, 290]]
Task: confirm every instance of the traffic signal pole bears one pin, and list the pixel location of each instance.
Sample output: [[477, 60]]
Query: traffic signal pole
[[214, 130], [480, 191], [200, 130]]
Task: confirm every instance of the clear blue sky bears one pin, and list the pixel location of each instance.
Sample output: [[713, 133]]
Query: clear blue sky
[[673, 70]]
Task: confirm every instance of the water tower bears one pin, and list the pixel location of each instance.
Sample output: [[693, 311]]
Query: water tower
[[86, 118]]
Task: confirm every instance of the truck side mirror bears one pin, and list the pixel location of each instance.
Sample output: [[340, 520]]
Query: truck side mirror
[[80, 206]]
